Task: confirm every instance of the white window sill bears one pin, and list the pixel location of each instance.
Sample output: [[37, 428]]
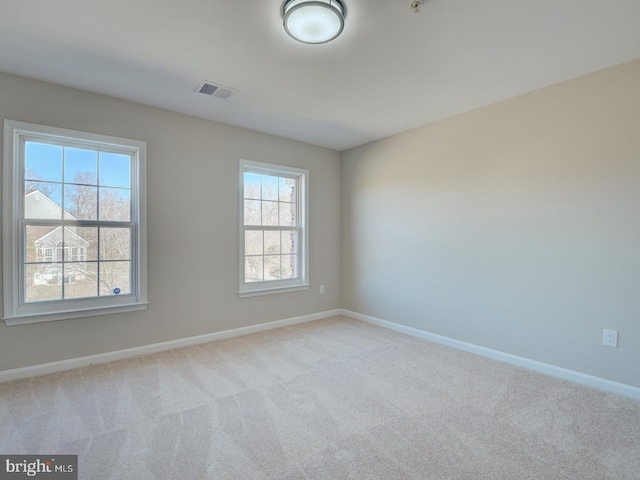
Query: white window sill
[[81, 313], [270, 291]]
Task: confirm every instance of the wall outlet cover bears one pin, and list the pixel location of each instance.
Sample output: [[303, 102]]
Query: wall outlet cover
[[610, 338]]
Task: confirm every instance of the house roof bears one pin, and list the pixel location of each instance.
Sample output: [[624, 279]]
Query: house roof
[[55, 236], [390, 70], [30, 193]]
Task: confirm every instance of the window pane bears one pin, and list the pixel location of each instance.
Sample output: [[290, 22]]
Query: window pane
[[289, 241], [43, 282], [270, 213], [252, 213], [42, 200], [42, 161], [115, 278], [287, 190], [289, 266], [76, 247], [253, 269], [253, 242], [252, 186], [269, 187], [81, 280], [36, 244], [287, 214], [271, 267], [42, 244], [68, 186], [272, 203], [80, 166], [114, 205], [115, 170], [81, 201], [271, 243], [88, 249], [115, 243]]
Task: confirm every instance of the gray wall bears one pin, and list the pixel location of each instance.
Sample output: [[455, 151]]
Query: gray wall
[[515, 226], [192, 169]]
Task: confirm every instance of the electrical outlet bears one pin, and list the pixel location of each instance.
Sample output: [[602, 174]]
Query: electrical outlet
[[321, 289], [610, 338]]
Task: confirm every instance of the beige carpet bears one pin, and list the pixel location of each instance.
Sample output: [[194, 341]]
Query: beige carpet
[[331, 399]]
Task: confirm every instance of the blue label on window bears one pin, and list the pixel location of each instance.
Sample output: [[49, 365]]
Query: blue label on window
[[116, 291]]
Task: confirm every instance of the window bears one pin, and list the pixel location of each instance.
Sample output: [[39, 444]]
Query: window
[[273, 233], [74, 228]]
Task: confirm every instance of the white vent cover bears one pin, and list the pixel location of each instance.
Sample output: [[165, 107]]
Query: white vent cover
[[213, 90]]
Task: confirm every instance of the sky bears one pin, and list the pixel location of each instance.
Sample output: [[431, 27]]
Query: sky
[[54, 163]]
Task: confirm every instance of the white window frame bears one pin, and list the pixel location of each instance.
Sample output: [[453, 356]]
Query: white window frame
[[250, 289], [16, 311]]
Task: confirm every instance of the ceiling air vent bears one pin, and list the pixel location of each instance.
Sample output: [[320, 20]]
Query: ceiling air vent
[[212, 90]]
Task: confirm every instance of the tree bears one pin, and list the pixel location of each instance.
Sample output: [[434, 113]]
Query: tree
[[270, 201], [33, 183], [111, 247], [81, 197]]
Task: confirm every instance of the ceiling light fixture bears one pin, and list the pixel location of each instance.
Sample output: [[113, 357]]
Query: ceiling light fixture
[[313, 21]]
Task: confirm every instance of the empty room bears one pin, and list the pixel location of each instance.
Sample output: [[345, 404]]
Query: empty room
[[320, 239]]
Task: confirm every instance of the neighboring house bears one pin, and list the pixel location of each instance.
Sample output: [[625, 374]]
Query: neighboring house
[[51, 247]]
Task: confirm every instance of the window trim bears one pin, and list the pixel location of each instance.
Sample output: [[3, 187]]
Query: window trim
[[268, 287], [16, 313]]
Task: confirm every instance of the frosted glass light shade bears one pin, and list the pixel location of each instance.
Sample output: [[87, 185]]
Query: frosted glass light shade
[[313, 21]]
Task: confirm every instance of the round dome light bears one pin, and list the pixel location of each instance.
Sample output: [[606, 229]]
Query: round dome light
[[313, 21]]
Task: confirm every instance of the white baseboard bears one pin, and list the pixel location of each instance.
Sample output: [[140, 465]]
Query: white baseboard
[[63, 365], [564, 373]]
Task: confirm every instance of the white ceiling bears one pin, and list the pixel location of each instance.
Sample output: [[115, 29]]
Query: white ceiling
[[391, 70]]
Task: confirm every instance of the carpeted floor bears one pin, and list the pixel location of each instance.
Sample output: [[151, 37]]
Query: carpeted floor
[[331, 399]]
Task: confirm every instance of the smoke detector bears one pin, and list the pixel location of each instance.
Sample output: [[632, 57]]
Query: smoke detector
[[211, 89]]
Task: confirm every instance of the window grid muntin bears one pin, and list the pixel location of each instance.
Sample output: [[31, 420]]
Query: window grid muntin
[[65, 224], [74, 145], [13, 201], [260, 197], [300, 177], [295, 253], [99, 147]]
